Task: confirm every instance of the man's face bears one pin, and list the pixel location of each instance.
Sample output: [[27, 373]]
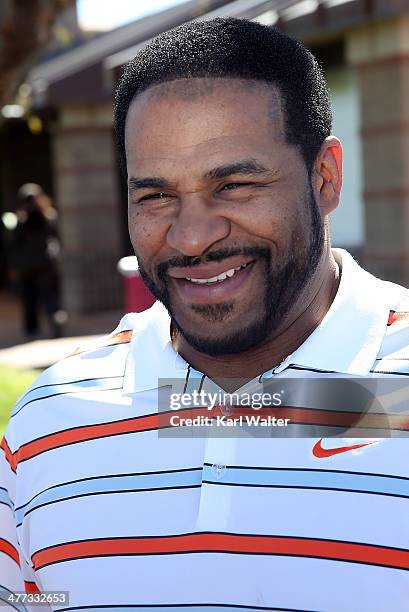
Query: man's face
[[221, 212]]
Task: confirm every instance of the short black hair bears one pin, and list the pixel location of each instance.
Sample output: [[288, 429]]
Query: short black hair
[[234, 48]]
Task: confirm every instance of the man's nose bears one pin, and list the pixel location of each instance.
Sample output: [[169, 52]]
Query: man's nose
[[197, 227]]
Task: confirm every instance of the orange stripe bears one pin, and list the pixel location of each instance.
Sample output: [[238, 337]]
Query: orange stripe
[[162, 420], [31, 587], [7, 548], [395, 317], [81, 434], [225, 543], [122, 337], [9, 455], [93, 432]]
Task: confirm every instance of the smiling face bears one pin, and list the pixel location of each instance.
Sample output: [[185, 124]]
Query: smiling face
[[222, 216]]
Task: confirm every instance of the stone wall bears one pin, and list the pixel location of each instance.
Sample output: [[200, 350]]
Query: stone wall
[[87, 192], [380, 54]]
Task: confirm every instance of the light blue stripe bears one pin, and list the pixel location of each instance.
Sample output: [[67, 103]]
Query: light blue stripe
[[235, 476], [98, 384], [309, 478], [5, 498], [112, 484]]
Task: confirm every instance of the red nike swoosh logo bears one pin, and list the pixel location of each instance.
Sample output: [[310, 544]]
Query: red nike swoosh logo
[[321, 453]]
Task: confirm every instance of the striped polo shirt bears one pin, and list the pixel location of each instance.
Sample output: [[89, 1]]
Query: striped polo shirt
[[95, 502]]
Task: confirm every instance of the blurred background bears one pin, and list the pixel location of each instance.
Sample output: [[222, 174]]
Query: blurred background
[[59, 63]]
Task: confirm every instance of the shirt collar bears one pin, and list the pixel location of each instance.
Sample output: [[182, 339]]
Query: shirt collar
[[349, 337], [151, 354], [346, 341]]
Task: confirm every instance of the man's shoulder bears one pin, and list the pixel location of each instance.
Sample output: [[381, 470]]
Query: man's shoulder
[[402, 301], [104, 356], [399, 304], [395, 345], [93, 358], [69, 393], [94, 364]]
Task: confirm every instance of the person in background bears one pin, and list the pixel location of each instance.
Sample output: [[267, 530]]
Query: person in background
[[34, 254]]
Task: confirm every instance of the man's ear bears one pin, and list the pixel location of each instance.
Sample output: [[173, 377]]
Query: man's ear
[[327, 175]]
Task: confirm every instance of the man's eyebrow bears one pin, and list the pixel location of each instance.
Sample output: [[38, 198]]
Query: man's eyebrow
[[154, 182], [244, 166]]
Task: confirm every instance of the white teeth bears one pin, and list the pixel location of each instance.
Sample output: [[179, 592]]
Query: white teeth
[[215, 279]]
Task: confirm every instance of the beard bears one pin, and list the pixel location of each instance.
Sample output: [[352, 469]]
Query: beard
[[282, 286]]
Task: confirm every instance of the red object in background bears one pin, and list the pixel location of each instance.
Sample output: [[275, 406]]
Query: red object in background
[[137, 295]]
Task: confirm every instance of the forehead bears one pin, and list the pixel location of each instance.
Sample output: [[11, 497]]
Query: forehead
[[193, 120]]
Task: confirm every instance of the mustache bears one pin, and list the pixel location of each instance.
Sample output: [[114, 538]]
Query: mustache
[[214, 256]]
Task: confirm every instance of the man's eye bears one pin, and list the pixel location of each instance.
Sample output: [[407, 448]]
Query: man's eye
[[154, 196], [233, 186]]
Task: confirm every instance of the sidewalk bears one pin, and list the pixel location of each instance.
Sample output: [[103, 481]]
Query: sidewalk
[[16, 352], [40, 354]]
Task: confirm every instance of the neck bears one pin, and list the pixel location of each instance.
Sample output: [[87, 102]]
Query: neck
[[306, 314]]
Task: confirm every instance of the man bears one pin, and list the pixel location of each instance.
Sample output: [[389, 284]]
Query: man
[[224, 133]]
